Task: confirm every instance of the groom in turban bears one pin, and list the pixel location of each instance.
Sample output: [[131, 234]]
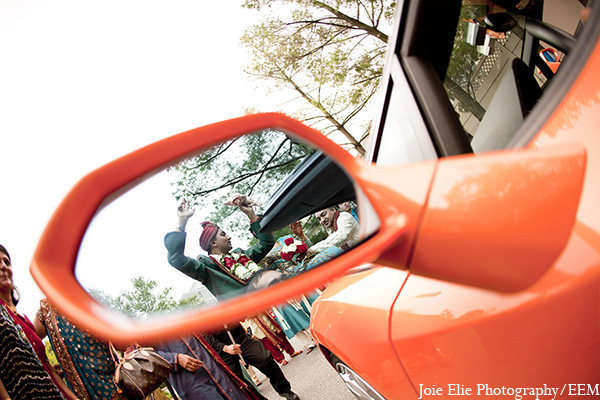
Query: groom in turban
[[223, 271]]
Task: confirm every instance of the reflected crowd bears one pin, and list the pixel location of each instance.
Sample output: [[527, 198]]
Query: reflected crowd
[[205, 365]]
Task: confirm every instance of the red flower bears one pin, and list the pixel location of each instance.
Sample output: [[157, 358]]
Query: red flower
[[289, 241], [287, 256], [243, 260], [301, 249], [228, 262]]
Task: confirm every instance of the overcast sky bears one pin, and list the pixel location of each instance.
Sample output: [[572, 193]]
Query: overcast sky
[[82, 83]]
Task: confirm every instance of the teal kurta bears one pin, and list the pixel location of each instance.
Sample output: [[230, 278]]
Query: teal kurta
[[204, 269]]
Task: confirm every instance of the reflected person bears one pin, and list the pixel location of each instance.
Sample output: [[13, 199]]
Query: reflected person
[[349, 207], [199, 372], [342, 234], [341, 227], [223, 271]]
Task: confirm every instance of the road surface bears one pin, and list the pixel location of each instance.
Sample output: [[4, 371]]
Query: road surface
[[311, 376]]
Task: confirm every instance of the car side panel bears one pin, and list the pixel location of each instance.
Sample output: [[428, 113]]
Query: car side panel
[[449, 334], [547, 334], [351, 319]]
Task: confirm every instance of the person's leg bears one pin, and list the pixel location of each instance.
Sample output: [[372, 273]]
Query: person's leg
[[255, 354], [286, 346], [274, 350], [233, 362]]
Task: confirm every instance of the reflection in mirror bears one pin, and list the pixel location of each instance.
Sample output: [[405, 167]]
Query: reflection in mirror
[[197, 231]]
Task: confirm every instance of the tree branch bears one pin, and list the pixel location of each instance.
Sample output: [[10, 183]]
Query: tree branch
[[212, 158], [354, 22], [267, 163], [243, 177]]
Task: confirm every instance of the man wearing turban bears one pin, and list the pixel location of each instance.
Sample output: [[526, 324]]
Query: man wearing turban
[[223, 271]]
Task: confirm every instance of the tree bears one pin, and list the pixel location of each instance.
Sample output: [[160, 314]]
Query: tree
[[462, 66], [331, 53], [254, 165], [144, 300]]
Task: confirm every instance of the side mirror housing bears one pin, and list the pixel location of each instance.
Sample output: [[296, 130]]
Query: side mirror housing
[[499, 220]]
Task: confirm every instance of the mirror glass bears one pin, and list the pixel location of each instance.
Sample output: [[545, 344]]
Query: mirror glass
[[136, 258]]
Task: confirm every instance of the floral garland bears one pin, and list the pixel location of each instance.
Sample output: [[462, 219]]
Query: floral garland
[[239, 264], [291, 248]]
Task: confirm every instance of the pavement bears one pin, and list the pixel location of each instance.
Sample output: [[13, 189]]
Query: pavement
[[311, 376]]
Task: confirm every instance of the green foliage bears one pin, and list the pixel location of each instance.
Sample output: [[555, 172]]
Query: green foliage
[[311, 227], [465, 56], [144, 299], [254, 165], [463, 59], [190, 302]]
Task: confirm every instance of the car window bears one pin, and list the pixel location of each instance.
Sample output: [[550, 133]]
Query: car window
[[463, 82], [489, 85]]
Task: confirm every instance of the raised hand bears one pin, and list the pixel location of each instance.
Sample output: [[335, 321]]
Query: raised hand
[[244, 205], [184, 212]]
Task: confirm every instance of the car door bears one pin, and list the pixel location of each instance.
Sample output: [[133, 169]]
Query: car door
[[455, 339]]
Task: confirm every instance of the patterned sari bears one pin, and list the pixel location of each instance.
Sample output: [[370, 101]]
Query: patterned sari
[[23, 375], [84, 359]]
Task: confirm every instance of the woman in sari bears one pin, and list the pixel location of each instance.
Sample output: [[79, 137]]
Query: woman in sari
[[25, 373], [85, 360]]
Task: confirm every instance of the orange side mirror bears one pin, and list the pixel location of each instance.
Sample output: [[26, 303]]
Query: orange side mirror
[[496, 221]]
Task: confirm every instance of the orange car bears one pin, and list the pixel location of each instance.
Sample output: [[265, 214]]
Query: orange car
[[392, 334], [478, 273]]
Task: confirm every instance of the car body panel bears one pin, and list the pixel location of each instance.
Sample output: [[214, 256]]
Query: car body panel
[[548, 334], [359, 304], [447, 334], [513, 211]]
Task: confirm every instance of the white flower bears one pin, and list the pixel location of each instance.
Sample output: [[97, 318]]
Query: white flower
[[237, 268], [291, 248]]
